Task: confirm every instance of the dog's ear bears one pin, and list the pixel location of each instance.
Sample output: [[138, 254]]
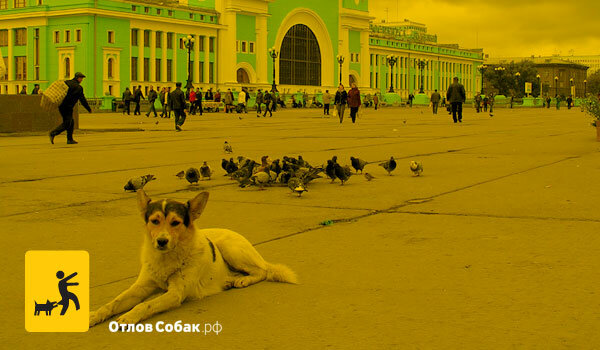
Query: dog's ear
[[196, 205], [143, 201]]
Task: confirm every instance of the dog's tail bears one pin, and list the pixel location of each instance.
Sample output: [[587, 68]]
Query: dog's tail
[[281, 273]]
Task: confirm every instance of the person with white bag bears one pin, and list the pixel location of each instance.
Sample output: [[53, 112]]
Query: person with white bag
[[73, 95]]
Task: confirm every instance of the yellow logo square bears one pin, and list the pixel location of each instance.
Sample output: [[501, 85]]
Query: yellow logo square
[[57, 291]]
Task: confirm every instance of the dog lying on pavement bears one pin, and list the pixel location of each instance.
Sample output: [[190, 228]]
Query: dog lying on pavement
[[186, 262]]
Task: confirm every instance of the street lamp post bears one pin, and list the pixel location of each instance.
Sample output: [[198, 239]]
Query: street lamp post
[[188, 42], [273, 53], [556, 86], [340, 60], [585, 88], [391, 60], [482, 69], [539, 78], [422, 63], [517, 76]]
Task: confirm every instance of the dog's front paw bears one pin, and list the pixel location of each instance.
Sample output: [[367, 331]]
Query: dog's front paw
[[129, 318], [95, 318]]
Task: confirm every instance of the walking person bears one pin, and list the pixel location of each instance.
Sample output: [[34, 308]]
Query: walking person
[[247, 98], [326, 102], [354, 101], [478, 102], [512, 100], [198, 104], [228, 101], [486, 99], [268, 99], [569, 102], [376, 100], [411, 97], [548, 101], [152, 95], [435, 101], [177, 104], [241, 101], [304, 99], [491, 101], [127, 97], [340, 101], [74, 94], [137, 98], [456, 96], [558, 99], [192, 99], [168, 101], [259, 102]]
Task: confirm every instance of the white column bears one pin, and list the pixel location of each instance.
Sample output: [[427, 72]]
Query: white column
[[152, 56], [364, 59], [196, 63], [261, 49], [140, 54], [226, 49], [206, 59], [11, 60], [174, 59], [163, 61]]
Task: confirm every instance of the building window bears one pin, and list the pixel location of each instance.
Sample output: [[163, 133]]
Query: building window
[[19, 3], [212, 18], [109, 70], [242, 76], [146, 69], [20, 37], [56, 37], [5, 65], [202, 17], [237, 46], [3, 37], [134, 37], [3, 4], [169, 70], [211, 45], [169, 40], [158, 69], [211, 74], [201, 67], [133, 8], [146, 38], [111, 37], [201, 43], [78, 35], [146, 9], [158, 40], [251, 47], [67, 67], [67, 36], [244, 46], [181, 43], [134, 69], [158, 11], [20, 68], [300, 60], [170, 12], [191, 16]]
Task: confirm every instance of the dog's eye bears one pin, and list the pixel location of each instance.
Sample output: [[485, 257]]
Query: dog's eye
[[175, 223], [155, 222]]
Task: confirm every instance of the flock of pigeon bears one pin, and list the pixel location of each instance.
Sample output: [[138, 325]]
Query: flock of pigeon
[[295, 173]]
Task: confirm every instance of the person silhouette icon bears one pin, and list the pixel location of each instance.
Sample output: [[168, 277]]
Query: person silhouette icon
[[63, 284]]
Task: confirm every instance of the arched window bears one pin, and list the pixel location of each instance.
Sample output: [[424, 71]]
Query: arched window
[[67, 67], [110, 68], [242, 76], [300, 60]]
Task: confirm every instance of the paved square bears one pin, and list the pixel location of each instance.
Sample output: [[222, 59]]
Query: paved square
[[496, 244]]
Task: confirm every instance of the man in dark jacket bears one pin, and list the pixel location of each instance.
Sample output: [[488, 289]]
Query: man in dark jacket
[[259, 102], [137, 97], [456, 96], [353, 101], [177, 105], [435, 101], [23, 90], [36, 89], [340, 101], [74, 94], [127, 101], [152, 95], [268, 101], [198, 101]]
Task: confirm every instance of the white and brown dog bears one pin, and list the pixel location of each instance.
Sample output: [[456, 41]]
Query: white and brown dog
[[186, 262]]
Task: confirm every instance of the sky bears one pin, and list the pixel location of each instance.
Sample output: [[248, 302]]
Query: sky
[[504, 28]]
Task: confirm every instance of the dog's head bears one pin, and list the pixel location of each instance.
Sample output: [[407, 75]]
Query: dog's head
[[169, 221]]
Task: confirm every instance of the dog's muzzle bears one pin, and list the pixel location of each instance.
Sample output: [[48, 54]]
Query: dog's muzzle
[[161, 243]]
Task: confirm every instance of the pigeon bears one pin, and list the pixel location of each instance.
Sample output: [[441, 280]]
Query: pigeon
[[358, 164], [297, 186], [342, 173], [330, 170], [192, 175], [275, 166], [416, 168], [180, 174], [227, 147], [137, 183], [264, 164], [302, 162], [261, 179], [369, 177], [334, 159], [224, 163], [205, 171], [389, 166], [231, 167], [284, 177]]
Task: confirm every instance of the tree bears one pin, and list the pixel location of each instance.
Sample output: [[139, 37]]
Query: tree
[[593, 83], [508, 83]]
